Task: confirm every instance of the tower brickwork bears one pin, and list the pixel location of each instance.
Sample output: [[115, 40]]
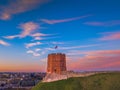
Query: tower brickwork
[[56, 63]]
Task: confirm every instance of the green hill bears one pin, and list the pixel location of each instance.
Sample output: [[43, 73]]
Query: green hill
[[103, 81]]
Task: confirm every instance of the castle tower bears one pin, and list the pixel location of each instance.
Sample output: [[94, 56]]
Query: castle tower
[[56, 63]]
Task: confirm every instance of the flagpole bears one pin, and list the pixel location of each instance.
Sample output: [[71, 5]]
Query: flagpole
[[56, 48]]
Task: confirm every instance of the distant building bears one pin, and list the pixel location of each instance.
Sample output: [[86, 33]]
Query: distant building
[[56, 63]]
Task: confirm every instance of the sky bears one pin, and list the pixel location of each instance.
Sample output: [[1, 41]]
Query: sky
[[87, 31]]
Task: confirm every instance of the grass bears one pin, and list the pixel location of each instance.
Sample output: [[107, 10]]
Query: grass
[[103, 81]]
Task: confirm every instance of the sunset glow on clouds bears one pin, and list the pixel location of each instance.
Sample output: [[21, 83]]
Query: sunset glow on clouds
[[94, 60], [109, 23], [27, 29], [63, 20], [88, 33], [19, 6], [4, 43], [111, 36]]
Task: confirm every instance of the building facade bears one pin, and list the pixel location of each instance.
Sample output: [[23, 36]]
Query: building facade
[[56, 63]]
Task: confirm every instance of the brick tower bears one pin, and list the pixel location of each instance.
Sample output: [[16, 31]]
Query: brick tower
[[56, 63]]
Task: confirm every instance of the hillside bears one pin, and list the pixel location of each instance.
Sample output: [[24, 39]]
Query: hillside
[[103, 81]]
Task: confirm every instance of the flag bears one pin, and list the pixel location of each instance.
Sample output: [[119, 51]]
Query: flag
[[56, 47]]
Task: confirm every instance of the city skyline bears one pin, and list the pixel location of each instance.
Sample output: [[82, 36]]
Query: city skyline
[[88, 32]]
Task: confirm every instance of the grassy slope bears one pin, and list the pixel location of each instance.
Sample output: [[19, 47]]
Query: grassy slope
[[105, 81]]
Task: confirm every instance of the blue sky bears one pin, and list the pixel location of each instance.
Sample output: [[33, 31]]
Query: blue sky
[[88, 32]]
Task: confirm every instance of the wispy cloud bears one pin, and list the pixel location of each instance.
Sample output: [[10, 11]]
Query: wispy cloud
[[4, 43], [108, 23], [28, 45], [74, 47], [36, 54], [63, 20], [19, 6], [110, 36], [103, 52], [37, 49], [38, 36], [74, 53], [57, 43], [11, 37], [96, 60], [29, 29]]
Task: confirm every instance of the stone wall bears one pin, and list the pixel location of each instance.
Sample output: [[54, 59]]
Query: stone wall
[[50, 77]]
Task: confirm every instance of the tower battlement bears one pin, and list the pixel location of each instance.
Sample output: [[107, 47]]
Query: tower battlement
[[56, 63]]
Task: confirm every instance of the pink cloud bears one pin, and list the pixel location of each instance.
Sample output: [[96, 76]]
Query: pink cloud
[[95, 23], [104, 52], [28, 45], [39, 34], [11, 37], [63, 20], [4, 43], [111, 36], [19, 6], [96, 60], [34, 53], [109, 23], [28, 28]]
